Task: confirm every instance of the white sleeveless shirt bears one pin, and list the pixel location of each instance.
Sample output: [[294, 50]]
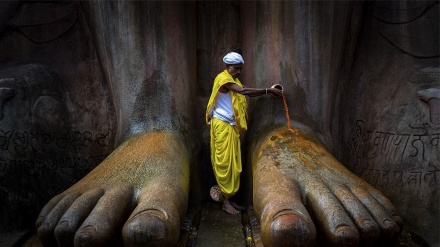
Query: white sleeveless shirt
[[223, 109]]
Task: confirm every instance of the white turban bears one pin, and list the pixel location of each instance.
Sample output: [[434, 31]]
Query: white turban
[[233, 58]]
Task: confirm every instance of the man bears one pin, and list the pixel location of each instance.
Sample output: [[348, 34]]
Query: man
[[226, 114]]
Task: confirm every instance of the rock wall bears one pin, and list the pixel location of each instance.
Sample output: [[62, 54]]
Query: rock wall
[[57, 121], [362, 76], [391, 137]]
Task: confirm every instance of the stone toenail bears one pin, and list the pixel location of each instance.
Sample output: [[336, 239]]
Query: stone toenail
[[64, 223], [388, 223], [89, 230], [344, 231]]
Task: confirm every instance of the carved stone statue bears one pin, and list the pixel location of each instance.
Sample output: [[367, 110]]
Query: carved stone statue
[[136, 75]]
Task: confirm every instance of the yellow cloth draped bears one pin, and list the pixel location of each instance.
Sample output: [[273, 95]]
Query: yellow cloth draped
[[225, 138], [226, 156], [238, 101]]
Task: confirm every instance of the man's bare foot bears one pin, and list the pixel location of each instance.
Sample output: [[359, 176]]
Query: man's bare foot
[[229, 208], [296, 180], [236, 206], [141, 188]]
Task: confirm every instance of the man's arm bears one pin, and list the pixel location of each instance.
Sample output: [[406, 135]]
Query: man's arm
[[251, 92]]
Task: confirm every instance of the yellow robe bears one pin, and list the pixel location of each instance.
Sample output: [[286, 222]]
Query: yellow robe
[[225, 138]]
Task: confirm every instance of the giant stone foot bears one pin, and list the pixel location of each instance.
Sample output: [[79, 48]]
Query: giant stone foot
[[301, 191], [139, 192]]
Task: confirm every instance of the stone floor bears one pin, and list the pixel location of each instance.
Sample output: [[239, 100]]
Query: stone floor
[[213, 227], [12, 239], [219, 229]]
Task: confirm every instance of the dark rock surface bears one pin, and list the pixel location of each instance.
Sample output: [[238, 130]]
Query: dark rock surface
[[363, 76]]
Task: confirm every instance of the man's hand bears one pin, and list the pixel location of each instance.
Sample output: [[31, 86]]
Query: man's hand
[[275, 92]]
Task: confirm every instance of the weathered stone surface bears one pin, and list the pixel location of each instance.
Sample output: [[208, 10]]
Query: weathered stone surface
[[59, 121], [391, 137], [353, 76]]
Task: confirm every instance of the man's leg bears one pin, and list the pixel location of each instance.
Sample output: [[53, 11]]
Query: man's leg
[[226, 162], [228, 205]]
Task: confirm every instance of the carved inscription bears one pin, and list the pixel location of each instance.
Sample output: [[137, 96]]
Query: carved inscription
[[31, 167], [51, 161], [398, 178], [27, 170], [393, 147], [387, 159], [22, 143]]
